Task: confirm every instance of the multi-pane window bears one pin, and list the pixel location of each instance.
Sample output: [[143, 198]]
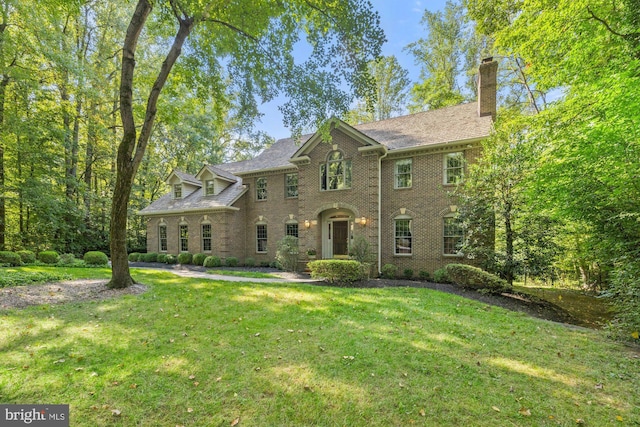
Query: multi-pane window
[[403, 236], [261, 238], [335, 174], [261, 188], [209, 187], [453, 168], [291, 185], [453, 236], [291, 229], [184, 238], [162, 237], [177, 191], [403, 173], [206, 237]]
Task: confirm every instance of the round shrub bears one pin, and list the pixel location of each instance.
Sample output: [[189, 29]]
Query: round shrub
[[249, 262], [11, 258], [27, 257], [424, 275], [389, 271], [185, 258], [408, 273], [49, 257], [474, 277], [95, 258], [198, 259], [441, 276], [134, 256], [162, 258], [231, 261], [149, 257], [212, 261], [172, 259]]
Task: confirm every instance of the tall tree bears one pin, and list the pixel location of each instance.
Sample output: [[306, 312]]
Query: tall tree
[[391, 92], [255, 41]]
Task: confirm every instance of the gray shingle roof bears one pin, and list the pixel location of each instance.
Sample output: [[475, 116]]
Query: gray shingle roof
[[222, 173], [195, 201], [276, 156], [185, 177]]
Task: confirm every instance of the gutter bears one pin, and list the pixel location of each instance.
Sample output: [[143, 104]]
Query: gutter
[[380, 210]]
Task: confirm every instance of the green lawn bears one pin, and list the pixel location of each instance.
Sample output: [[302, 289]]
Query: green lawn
[[195, 352], [241, 273]]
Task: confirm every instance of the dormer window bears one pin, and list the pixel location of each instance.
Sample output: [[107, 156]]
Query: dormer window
[[177, 191], [209, 187]]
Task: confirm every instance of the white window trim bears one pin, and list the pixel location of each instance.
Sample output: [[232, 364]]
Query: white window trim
[[266, 194], [266, 238], [456, 255], [395, 173], [206, 187], [166, 237], [400, 218], [173, 192], [183, 224], [445, 168], [202, 224]]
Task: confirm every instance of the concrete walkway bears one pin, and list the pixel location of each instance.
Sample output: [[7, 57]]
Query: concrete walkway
[[193, 273]]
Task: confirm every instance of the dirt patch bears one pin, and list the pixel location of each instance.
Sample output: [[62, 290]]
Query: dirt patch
[[61, 292]]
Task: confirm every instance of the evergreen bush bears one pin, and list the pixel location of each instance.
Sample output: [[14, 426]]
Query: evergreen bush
[[10, 258], [198, 259], [172, 259], [134, 256], [49, 257], [441, 276], [408, 273], [287, 253], [389, 271], [336, 270], [474, 277], [149, 257], [95, 258], [249, 262], [212, 261], [162, 258], [231, 261], [67, 259], [27, 257], [185, 258], [424, 275]]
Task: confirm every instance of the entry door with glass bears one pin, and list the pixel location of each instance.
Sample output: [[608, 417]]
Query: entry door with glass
[[340, 238]]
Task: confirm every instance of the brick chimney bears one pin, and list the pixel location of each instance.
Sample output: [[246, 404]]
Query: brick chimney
[[487, 82]]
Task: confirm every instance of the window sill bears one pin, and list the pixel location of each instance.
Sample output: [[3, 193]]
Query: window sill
[[402, 255], [403, 188], [453, 255]]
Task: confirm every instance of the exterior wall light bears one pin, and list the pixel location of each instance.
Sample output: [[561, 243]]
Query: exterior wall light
[[363, 221], [307, 224]]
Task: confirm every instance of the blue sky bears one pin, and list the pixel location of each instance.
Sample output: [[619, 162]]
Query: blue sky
[[400, 20]]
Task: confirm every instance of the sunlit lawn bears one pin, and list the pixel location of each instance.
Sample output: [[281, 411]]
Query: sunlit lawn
[[240, 273], [195, 352]]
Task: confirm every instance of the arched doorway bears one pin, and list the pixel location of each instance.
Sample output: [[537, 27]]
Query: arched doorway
[[337, 232]]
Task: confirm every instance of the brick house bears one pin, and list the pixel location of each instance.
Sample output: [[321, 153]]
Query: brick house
[[387, 180]]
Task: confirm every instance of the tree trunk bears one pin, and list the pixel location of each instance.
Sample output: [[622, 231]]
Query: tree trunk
[[508, 230], [3, 212], [132, 147]]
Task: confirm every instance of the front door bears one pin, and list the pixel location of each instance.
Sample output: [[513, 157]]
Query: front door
[[340, 238]]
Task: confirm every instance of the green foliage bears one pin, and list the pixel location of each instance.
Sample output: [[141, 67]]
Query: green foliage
[[149, 257], [134, 256], [337, 271], [22, 278], [249, 262], [287, 253], [96, 258], [198, 259], [67, 259], [424, 275], [185, 258], [172, 259], [162, 258], [408, 273], [231, 261], [212, 261], [360, 249], [625, 289], [441, 276], [474, 277], [10, 258], [389, 271], [49, 257], [27, 257]]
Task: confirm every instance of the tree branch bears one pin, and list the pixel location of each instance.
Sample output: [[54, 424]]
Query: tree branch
[[631, 37]]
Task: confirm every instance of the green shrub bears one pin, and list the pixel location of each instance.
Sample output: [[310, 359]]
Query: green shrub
[[95, 258], [389, 271], [27, 257], [49, 257], [408, 273], [264, 263], [20, 278], [149, 257], [198, 259], [134, 256], [162, 258], [11, 258], [287, 253], [250, 262], [231, 261], [185, 258], [212, 261], [474, 277], [360, 249], [172, 259], [67, 259], [424, 275], [441, 276], [335, 270], [275, 264]]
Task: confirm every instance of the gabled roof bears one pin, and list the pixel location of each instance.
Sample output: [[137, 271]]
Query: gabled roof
[[275, 157], [220, 173], [184, 177]]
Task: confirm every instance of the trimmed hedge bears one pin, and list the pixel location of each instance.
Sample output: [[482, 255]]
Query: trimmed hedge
[[11, 258], [424, 275], [49, 257], [134, 256], [474, 277], [249, 262], [441, 276], [185, 258], [27, 257], [149, 257], [95, 258], [389, 271], [162, 258], [333, 270], [198, 259], [212, 261], [231, 261], [67, 259], [172, 259]]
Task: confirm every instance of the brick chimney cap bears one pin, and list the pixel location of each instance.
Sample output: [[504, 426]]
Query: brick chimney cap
[[487, 60]]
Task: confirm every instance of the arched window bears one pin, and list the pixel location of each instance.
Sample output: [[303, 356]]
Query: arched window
[[335, 174]]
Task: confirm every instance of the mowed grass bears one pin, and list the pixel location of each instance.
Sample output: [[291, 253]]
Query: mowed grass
[[195, 352], [239, 273]]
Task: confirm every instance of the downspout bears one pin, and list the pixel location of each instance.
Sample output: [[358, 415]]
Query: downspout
[[380, 210]]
